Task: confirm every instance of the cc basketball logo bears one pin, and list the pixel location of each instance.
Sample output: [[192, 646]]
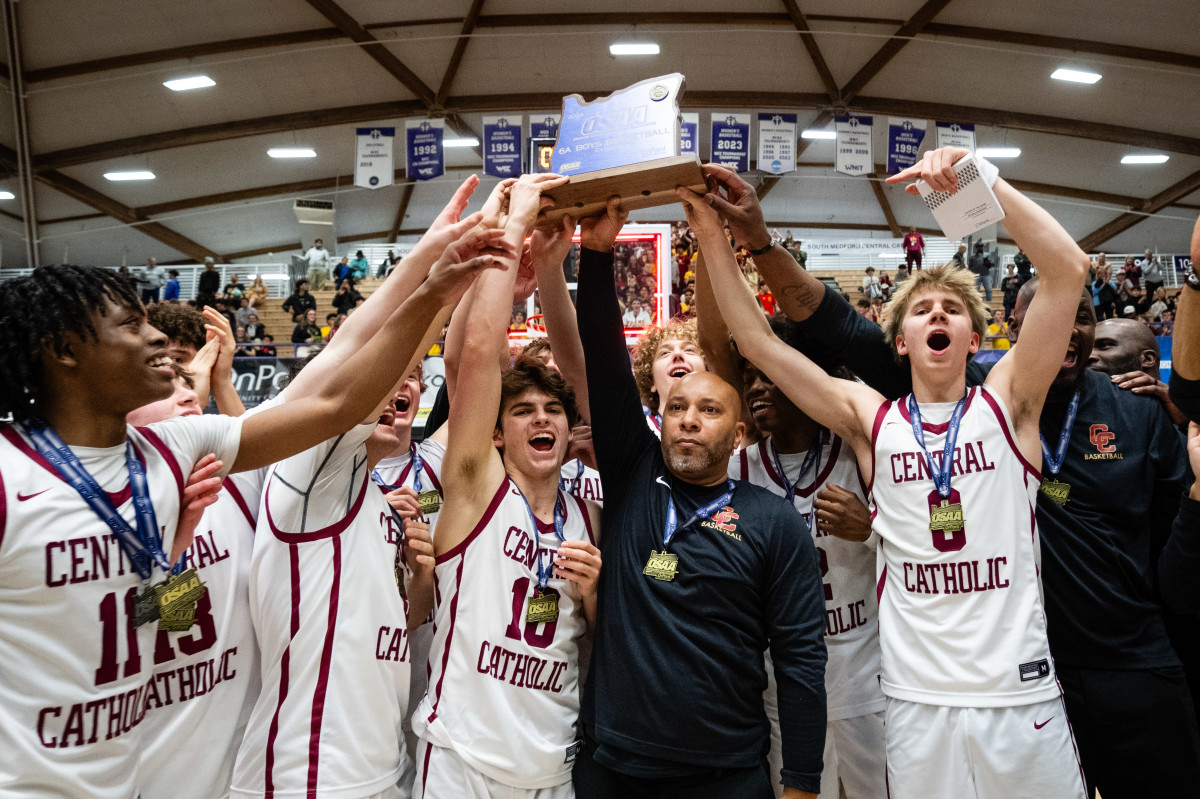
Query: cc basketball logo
[[1100, 437], [723, 519]]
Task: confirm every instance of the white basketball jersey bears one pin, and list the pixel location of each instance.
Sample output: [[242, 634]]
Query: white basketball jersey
[[847, 570], [332, 629], [213, 668], [960, 613], [504, 692], [74, 672], [580, 480]]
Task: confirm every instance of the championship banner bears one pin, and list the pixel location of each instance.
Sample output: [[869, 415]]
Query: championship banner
[[426, 158], [731, 141], [373, 157], [854, 155], [904, 140], [689, 134], [544, 128], [952, 134], [777, 143], [502, 146]]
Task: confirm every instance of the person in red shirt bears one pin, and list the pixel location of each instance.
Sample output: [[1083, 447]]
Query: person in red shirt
[[914, 248], [765, 298]]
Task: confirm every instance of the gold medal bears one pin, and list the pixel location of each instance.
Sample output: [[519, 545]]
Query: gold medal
[[145, 608], [542, 608], [430, 502], [1058, 491], [946, 517], [662, 565], [177, 598]]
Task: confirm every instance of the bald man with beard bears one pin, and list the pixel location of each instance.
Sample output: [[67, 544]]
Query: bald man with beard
[[701, 575]]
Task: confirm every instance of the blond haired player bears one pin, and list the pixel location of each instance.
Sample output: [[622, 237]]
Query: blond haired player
[[973, 705], [516, 566]]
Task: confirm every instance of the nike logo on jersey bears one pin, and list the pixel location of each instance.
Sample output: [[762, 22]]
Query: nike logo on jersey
[[661, 481], [22, 497], [1037, 726]]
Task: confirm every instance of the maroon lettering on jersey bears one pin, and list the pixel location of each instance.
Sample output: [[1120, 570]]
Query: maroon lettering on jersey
[[956, 577]]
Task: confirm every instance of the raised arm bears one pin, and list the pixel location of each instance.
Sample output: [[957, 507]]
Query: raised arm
[[366, 377], [549, 249], [365, 322], [844, 407], [472, 468], [1024, 375], [1185, 357], [825, 318]]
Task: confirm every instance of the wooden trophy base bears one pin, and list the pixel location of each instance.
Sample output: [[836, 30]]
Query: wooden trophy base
[[641, 185]]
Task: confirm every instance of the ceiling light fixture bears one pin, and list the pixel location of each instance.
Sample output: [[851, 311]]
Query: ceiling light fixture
[[7, 195], [469, 141], [998, 152], [818, 134], [1145, 159], [187, 84], [1075, 76], [292, 152], [644, 48], [136, 174]]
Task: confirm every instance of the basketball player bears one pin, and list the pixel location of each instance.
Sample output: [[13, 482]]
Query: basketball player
[[516, 566], [1124, 689], [966, 662], [797, 459], [73, 666]]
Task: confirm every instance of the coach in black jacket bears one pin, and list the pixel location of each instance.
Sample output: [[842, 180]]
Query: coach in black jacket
[[673, 700]]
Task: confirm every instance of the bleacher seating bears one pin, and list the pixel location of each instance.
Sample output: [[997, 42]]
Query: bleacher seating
[[279, 322]]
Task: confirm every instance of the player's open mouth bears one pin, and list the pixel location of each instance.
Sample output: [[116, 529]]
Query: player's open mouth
[[402, 404], [542, 442], [387, 417], [1071, 358], [759, 407], [679, 371], [160, 362], [938, 342]]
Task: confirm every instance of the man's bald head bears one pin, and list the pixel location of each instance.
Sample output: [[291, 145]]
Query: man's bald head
[[701, 426], [1123, 346]]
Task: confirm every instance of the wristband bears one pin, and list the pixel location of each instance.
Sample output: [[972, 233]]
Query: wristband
[[1192, 280], [770, 246], [987, 171]]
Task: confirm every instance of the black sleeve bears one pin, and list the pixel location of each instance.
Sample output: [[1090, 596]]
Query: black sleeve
[[299, 334], [795, 615], [1168, 452], [439, 413], [1186, 395], [1180, 560], [619, 431], [838, 331]]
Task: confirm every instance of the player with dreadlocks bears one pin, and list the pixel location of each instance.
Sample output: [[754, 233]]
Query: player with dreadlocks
[[89, 505]]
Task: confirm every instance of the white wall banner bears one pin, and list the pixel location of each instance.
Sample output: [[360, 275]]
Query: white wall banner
[[854, 155], [851, 246], [426, 158], [777, 143], [373, 157], [953, 134]]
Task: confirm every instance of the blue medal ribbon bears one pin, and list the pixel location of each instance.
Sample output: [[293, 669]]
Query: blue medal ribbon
[[417, 466], [142, 547], [941, 477], [560, 520], [813, 456], [1054, 462], [653, 417], [670, 528], [570, 486]]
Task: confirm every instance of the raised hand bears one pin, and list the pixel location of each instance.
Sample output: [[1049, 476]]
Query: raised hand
[[936, 169], [495, 208], [599, 232], [526, 200], [702, 217], [404, 501], [737, 202], [526, 277], [218, 328], [462, 261], [549, 245]]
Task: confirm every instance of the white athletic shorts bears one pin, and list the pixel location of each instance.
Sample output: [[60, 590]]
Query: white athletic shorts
[[936, 752], [853, 757], [442, 774]]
